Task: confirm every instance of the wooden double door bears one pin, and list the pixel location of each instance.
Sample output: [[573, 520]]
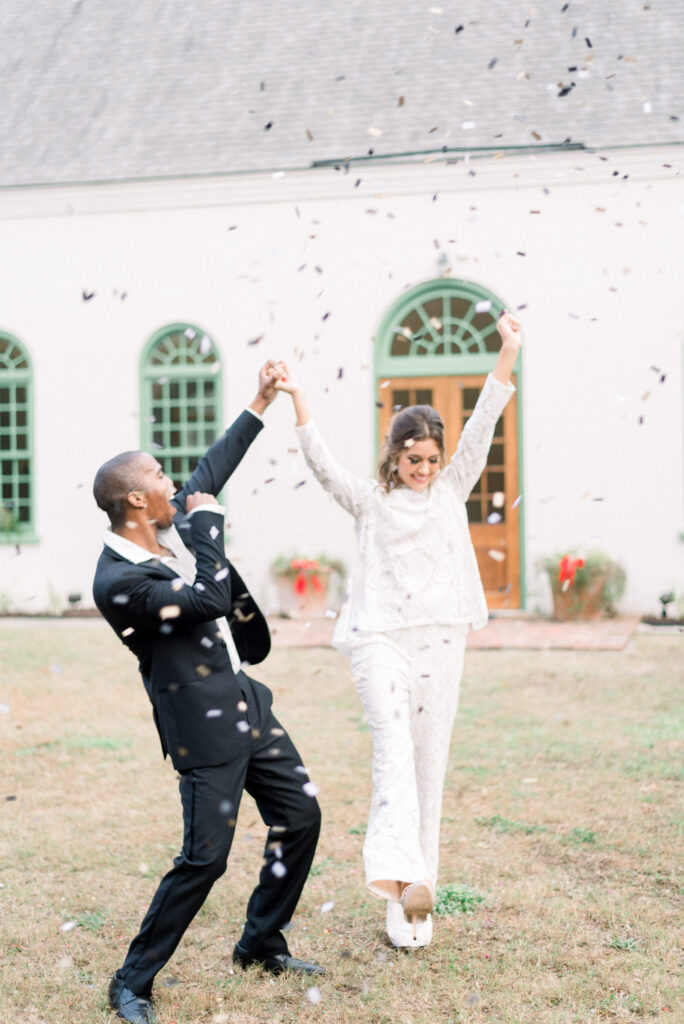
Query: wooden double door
[[493, 505]]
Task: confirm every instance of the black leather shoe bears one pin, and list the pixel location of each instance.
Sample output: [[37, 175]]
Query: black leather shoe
[[275, 963], [136, 1009]]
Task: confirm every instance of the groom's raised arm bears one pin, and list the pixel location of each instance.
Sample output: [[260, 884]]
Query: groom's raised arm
[[225, 455]]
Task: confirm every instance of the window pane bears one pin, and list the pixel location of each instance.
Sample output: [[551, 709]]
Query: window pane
[[495, 482], [474, 509], [401, 398], [470, 396], [424, 396], [496, 455]]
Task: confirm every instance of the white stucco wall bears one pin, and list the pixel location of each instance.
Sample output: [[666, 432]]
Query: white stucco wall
[[599, 286]]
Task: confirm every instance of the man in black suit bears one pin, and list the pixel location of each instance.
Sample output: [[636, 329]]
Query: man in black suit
[[164, 584]]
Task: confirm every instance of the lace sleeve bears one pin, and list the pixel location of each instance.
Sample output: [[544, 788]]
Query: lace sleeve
[[470, 457], [350, 491]]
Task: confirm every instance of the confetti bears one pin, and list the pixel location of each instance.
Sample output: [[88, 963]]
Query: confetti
[[327, 906], [67, 926], [189, 333], [241, 705], [493, 518], [128, 631], [498, 499], [4, 708], [214, 713], [483, 306], [255, 341], [214, 532], [87, 296], [310, 788], [221, 574], [313, 995], [205, 345], [242, 726], [177, 584], [375, 132], [278, 869], [498, 556], [169, 611], [120, 599]]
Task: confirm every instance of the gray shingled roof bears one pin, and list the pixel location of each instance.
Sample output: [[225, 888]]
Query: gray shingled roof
[[114, 89]]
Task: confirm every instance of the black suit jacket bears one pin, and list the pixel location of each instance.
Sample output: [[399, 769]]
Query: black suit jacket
[[172, 628]]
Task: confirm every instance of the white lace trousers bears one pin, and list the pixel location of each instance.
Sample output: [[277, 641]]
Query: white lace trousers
[[408, 682]]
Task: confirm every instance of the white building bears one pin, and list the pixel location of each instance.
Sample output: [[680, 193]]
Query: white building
[[160, 241]]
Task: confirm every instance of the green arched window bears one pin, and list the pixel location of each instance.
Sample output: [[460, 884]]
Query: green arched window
[[16, 441], [439, 327], [180, 398]]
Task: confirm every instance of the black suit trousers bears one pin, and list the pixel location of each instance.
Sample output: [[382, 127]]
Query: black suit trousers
[[271, 772]]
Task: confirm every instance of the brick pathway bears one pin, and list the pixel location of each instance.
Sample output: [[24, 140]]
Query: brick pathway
[[501, 632]]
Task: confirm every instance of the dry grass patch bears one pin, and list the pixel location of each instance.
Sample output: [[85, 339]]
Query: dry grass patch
[[562, 834]]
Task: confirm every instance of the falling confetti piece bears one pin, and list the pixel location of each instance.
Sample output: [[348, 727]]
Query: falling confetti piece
[[375, 132], [143, 868], [241, 705], [177, 584], [327, 906], [205, 345], [310, 788], [255, 341], [278, 869], [67, 926], [493, 518], [4, 708], [214, 532], [128, 631], [242, 726], [313, 995], [189, 333], [214, 713], [87, 296], [498, 499], [169, 611], [498, 556], [221, 574], [120, 599], [483, 306]]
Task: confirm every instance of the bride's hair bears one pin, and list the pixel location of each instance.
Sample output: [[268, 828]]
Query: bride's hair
[[417, 423]]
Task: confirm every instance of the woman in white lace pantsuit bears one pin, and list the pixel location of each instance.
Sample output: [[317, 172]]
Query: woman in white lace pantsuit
[[413, 594]]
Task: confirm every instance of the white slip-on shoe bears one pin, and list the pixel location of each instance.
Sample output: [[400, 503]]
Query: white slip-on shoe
[[402, 933]]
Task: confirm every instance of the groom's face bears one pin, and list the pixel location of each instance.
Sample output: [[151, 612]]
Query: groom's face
[[158, 490]]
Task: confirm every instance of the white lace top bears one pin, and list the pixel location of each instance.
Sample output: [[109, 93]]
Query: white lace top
[[415, 561]]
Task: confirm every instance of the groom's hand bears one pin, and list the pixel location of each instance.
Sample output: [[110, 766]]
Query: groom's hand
[[193, 500]]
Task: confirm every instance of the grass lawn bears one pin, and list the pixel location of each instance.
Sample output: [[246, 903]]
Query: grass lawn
[[561, 844]]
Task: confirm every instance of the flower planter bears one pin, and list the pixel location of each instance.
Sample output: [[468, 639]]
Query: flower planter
[[572, 603], [584, 588]]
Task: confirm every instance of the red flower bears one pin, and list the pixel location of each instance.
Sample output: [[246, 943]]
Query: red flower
[[567, 569]]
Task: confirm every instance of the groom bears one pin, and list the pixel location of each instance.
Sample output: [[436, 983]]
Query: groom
[[165, 586]]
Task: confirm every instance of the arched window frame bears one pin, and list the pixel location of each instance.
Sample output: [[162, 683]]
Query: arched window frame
[[427, 364], [458, 364], [16, 375], [195, 372]]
